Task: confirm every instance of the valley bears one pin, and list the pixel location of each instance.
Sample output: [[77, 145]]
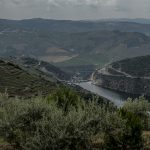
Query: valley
[[74, 74], [74, 84], [74, 44], [78, 54], [115, 97]]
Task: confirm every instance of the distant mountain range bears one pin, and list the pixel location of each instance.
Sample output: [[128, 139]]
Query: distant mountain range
[[75, 43], [132, 25]]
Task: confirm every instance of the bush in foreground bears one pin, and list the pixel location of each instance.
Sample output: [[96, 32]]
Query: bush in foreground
[[40, 124], [37, 125], [130, 135], [139, 107]]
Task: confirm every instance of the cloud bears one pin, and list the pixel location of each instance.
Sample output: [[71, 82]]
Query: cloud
[[74, 9], [60, 2], [82, 2]]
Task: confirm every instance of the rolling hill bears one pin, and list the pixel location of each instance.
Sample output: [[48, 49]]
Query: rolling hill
[[77, 48], [73, 44], [18, 82], [26, 81], [40, 67]]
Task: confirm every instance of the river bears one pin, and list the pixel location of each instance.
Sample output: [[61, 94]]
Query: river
[[115, 97]]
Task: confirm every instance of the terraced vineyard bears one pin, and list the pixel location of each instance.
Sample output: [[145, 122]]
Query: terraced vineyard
[[16, 81]]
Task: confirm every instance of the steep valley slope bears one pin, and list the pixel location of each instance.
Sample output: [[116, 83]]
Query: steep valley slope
[[22, 81], [129, 76], [17, 82], [41, 68]]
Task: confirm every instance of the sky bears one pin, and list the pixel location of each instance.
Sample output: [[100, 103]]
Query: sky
[[74, 9]]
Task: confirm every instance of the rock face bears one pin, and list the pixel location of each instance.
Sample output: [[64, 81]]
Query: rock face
[[129, 76]]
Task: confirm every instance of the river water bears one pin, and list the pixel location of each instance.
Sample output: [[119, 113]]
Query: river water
[[115, 97]]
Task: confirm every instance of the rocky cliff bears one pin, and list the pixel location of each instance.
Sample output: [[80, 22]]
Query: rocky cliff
[[129, 76]]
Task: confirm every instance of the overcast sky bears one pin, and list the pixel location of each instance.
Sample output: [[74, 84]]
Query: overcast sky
[[74, 9]]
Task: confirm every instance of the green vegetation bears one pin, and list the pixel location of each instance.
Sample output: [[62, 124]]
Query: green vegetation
[[74, 43], [65, 121], [18, 82], [41, 66], [138, 66], [90, 47], [65, 99], [130, 137], [85, 59], [139, 107]]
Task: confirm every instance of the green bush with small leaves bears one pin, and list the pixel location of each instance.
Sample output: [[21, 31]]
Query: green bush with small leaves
[[65, 99], [64, 121], [141, 108]]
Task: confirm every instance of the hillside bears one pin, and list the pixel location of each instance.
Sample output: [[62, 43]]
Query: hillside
[[17, 82], [104, 46], [21, 77], [74, 44], [41, 67], [129, 76], [89, 48], [138, 66]]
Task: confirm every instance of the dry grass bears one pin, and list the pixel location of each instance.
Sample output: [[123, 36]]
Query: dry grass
[[56, 50], [146, 136], [56, 58]]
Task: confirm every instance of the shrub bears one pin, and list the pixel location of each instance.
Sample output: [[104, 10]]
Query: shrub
[[41, 124], [36, 124], [19, 119], [65, 99], [139, 107], [125, 132]]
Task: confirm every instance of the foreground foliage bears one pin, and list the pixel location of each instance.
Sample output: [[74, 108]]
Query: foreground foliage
[[66, 124]]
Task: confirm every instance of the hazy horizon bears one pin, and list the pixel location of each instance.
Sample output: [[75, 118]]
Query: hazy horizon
[[101, 19]]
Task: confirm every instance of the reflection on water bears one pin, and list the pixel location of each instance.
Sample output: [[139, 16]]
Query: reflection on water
[[117, 98]]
